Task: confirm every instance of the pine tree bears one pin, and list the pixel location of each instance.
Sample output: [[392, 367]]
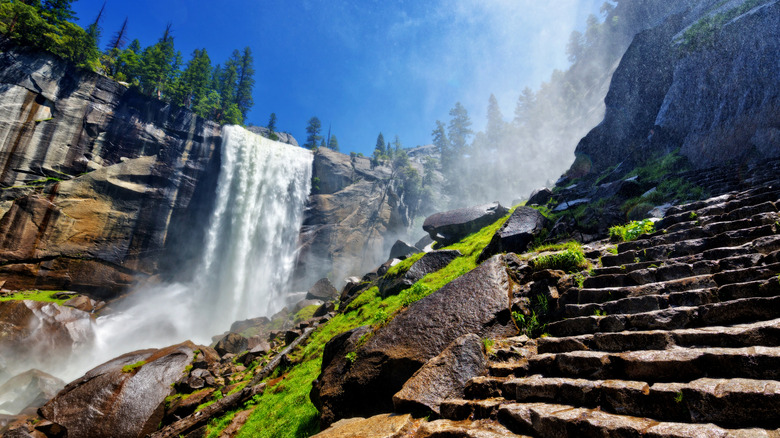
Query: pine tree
[[313, 129], [272, 127], [119, 39], [158, 63], [380, 150], [495, 122], [397, 148], [56, 11], [333, 143], [524, 108], [246, 81], [193, 84], [459, 128]]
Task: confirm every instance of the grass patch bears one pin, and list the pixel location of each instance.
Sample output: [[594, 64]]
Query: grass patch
[[404, 266], [305, 313], [631, 231], [132, 367], [568, 260], [572, 245], [46, 296], [532, 324]]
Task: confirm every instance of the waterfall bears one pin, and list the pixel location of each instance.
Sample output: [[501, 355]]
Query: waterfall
[[247, 259], [250, 247]]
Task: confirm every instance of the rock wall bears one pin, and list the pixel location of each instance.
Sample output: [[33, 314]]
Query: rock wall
[[717, 103], [100, 186], [352, 218]]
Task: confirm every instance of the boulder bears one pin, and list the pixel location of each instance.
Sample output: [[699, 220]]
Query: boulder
[[430, 262], [451, 226], [334, 365], [477, 302], [231, 343], [540, 196], [424, 243], [32, 388], [379, 426], [518, 231], [402, 250], [123, 397], [40, 334], [322, 290], [442, 377], [240, 326]]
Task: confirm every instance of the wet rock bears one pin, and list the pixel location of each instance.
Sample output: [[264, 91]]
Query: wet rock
[[442, 377], [32, 388], [322, 290], [300, 305], [379, 426], [516, 233], [402, 250], [43, 333], [231, 343], [240, 326], [205, 358], [451, 226], [477, 302], [540, 196], [463, 429], [430, 262], [324, 309], [424, 243], [84, 303], [124, 396]]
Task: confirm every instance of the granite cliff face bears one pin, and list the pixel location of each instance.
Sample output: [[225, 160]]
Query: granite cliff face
[[97, 180], [351, 219], [716, 101]]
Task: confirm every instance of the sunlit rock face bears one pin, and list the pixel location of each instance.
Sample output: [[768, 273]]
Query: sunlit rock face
[[99, 181], [717, 102]]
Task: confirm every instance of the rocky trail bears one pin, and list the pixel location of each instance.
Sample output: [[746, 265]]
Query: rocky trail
[[676, 334]]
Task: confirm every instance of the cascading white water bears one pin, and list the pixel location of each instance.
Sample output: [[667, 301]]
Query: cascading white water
[[247, 258]]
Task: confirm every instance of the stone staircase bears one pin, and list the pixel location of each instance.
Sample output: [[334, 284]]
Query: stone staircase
[[675, 335]]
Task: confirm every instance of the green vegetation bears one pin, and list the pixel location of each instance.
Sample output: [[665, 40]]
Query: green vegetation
[[132, 367], [351, 357], [569, 260], [532, 324], [221, 93], [631, 231], [599, 312], [48, 296], [702, 34], [305, 313]]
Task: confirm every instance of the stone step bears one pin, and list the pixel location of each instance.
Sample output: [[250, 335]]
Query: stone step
[[484, 387], [557, 420], [697, 228], [738, 311], [674, 365], [744, 275], [649, 274], [726, 402], [641, 304], [668, 251], [464, 409], [763, 333], [508, 368], [720, 205], [604, 294]]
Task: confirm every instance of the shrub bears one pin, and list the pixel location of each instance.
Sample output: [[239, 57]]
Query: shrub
[[631, 231]]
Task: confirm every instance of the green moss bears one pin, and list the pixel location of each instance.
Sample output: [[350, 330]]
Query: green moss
[[702, 34], [572, 245], [46, 296], [305, 313], [132, 367]]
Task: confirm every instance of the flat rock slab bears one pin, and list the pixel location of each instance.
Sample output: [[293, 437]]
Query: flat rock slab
[[402, 250], [379, 426], [516, 234], [431, 262], [322, 290], [464, 429], [477, 302], [123, 397], [451, 226], [442, 377]]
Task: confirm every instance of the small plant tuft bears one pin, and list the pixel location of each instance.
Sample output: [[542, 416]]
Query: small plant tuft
[[132, 367], [631, 231]]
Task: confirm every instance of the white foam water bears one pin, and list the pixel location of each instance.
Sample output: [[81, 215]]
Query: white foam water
[[247, 260]]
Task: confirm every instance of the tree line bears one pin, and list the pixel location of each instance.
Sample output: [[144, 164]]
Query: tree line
[[221, 92]]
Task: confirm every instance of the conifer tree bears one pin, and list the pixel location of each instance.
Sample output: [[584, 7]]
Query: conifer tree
[[459, 128], [272, 127], [495, 122], [313, 129], [245, 81], [333, 143], [380, 150], [56, 11]]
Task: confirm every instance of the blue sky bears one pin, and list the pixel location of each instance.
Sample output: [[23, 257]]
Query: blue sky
[[367, 66]]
